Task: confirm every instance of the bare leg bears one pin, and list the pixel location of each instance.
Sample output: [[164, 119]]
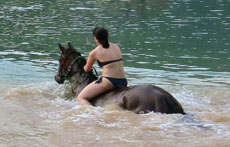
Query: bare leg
[[93, 90], [83, 101]]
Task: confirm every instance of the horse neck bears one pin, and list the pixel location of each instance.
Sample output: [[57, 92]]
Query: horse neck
[[80, 80]]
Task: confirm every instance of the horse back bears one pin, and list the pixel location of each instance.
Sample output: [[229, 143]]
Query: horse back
[[141, 99], [147, 98]]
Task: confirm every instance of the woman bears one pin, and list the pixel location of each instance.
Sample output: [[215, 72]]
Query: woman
[[109, 57]]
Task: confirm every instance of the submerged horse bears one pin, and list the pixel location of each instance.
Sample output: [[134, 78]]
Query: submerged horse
[[138, 98]]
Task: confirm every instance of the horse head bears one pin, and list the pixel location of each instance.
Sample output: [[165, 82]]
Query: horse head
[[70, 62]]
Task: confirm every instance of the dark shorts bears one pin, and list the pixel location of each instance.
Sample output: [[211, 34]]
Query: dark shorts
[[117, 82]]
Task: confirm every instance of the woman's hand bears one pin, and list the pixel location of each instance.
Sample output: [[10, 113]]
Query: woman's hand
[[87, 69]]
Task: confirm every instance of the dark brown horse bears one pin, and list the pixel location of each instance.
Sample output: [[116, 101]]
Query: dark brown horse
[[139, 98]]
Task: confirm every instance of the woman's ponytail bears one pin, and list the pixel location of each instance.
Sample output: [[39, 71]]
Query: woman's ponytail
[[105, 43]]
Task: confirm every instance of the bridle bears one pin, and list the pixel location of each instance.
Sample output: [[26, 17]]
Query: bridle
[[70, 67]]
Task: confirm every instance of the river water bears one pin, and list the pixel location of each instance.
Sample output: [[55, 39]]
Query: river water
[[182, 46]]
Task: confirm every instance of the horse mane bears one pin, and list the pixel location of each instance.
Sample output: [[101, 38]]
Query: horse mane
[[82, 63]]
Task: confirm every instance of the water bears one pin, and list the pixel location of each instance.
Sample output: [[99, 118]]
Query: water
[[181, 46]]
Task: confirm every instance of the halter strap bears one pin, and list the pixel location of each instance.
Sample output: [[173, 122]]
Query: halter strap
[[69, 68]]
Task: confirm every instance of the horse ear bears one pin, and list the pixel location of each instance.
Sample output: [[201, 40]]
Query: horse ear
[[70, 46], [61, 48]]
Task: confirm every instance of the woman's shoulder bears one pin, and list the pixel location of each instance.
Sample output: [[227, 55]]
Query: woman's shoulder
[[114, 46], [96, 49], [96, 52]]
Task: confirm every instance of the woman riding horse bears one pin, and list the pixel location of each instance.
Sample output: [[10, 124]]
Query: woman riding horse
[[109, 57], [137, 98]]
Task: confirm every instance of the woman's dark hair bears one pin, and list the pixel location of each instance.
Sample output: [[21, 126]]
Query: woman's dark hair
[[102, 36]]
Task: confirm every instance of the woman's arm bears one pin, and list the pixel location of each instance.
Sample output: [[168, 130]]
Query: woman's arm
[[90, 61]]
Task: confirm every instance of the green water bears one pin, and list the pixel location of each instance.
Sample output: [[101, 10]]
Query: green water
[[189, 38]]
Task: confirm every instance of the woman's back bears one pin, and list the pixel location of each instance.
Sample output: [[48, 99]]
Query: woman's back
[[112, 59]]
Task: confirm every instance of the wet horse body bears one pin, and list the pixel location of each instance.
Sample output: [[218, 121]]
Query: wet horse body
[[139, 98]]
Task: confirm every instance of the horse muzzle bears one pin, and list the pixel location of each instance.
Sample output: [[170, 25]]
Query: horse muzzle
[[59, 79]]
